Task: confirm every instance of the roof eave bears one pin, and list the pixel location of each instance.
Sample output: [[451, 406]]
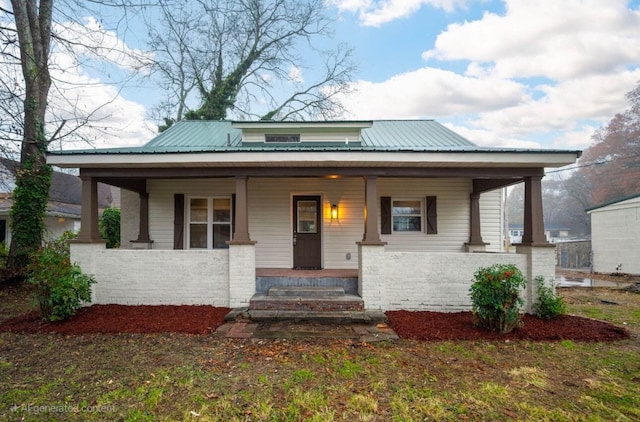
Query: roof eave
[[318, 159]]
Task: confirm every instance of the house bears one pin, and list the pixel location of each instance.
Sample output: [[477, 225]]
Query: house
[[63, 209], [553, 232], [398, 214], [615, 230]]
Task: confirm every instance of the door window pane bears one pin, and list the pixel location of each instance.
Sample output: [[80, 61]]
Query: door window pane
[[307, 217]]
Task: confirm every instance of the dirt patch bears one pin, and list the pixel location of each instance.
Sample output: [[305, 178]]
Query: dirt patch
[[206, 319], [459, 326], [125, 319]]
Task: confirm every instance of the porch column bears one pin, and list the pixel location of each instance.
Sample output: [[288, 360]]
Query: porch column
[[143, 241], [475, 239], [533, 215], [371, 233], [242, 252], [89, 232], [241, 223]]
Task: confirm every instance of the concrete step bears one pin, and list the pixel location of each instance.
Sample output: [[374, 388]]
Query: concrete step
[[308, 304], [335, 317], [307, 291]]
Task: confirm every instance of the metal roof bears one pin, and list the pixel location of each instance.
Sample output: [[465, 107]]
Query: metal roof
[[202, 136]]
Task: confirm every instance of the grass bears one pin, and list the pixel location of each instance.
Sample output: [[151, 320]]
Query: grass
[[182, 377]]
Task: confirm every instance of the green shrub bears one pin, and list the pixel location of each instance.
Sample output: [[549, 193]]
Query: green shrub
[[495, 297], [4, 253], [109, 225], [548, 304], [60, 286]]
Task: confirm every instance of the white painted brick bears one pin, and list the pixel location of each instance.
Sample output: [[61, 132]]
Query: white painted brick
[[242, 274], [155, 277]]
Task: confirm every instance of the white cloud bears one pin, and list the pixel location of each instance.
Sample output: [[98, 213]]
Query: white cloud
[[112, 120], [94, 41], [378, 12], [430, 92], [558, 40], [488, 138], [295, 74], [578, 139], [596, 98]]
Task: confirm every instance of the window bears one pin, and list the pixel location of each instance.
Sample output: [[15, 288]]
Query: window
[[282, 138], [209, 223], [407, 215]]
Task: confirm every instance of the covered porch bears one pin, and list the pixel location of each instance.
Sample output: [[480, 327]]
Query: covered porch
[[386, 277]]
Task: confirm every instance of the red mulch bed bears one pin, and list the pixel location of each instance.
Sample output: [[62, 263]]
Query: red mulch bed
[[125, 319], [459, 326], [409, 325]]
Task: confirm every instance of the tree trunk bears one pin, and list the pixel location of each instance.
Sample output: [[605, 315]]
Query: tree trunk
[[33, 180]]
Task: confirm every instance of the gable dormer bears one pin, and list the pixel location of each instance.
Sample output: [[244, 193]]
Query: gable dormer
[[301, 134]]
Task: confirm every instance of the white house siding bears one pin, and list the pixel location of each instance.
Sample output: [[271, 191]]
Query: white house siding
[[271, 219], [129, 217], [492, 220], [453, 213], [615, 230], [161, 203]]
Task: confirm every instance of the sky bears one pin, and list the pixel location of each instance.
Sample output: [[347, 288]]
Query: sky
[[503, 73]]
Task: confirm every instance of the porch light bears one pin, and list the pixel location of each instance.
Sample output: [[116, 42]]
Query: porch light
[[334, 212]]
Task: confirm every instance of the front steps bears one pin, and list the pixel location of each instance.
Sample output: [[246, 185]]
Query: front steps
[[310, 303]]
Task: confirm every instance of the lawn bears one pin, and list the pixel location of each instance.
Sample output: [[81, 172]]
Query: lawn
[[139, 377]]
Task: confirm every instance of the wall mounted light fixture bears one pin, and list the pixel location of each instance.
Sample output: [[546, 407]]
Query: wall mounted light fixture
[[334, 212]]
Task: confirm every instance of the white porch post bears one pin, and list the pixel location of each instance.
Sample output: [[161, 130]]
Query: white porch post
[[541, 261], [371, 274], [242, 252]]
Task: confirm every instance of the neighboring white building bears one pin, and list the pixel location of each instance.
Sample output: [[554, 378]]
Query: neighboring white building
[[615, 236]]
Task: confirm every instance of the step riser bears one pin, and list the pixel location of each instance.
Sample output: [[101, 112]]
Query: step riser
[[314, 292], [348, 284], [300, 304]]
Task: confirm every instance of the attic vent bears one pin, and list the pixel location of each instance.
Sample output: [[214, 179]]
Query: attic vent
[[278, 138]]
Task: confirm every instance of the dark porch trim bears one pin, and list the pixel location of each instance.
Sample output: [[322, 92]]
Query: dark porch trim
[[533, 214], [89, 232]]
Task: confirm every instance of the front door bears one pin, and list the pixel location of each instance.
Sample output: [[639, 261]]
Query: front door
[[307, 243]]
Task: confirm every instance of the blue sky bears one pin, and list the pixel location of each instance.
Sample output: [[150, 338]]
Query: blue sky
[[516, 73]]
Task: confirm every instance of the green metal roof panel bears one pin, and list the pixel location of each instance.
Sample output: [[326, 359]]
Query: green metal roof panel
[[197, 134], [200, 136], [412, 134]]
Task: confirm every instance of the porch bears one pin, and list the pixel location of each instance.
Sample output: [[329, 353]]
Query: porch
[[386, 280]]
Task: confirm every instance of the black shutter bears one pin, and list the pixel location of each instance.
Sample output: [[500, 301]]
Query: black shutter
[[432, 215], [233, 216], [178, 221], [385, 214]]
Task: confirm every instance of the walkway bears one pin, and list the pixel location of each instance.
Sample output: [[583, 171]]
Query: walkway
[[305, 330]]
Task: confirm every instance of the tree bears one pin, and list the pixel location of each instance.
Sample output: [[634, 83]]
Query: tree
[[29, 125], [33, 27], [612, 163], [236, 54]]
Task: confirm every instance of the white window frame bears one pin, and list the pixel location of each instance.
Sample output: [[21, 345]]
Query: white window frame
[[422, 215], [210, 223]]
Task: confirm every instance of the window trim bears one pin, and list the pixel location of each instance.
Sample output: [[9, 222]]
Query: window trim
[[210, 223]]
